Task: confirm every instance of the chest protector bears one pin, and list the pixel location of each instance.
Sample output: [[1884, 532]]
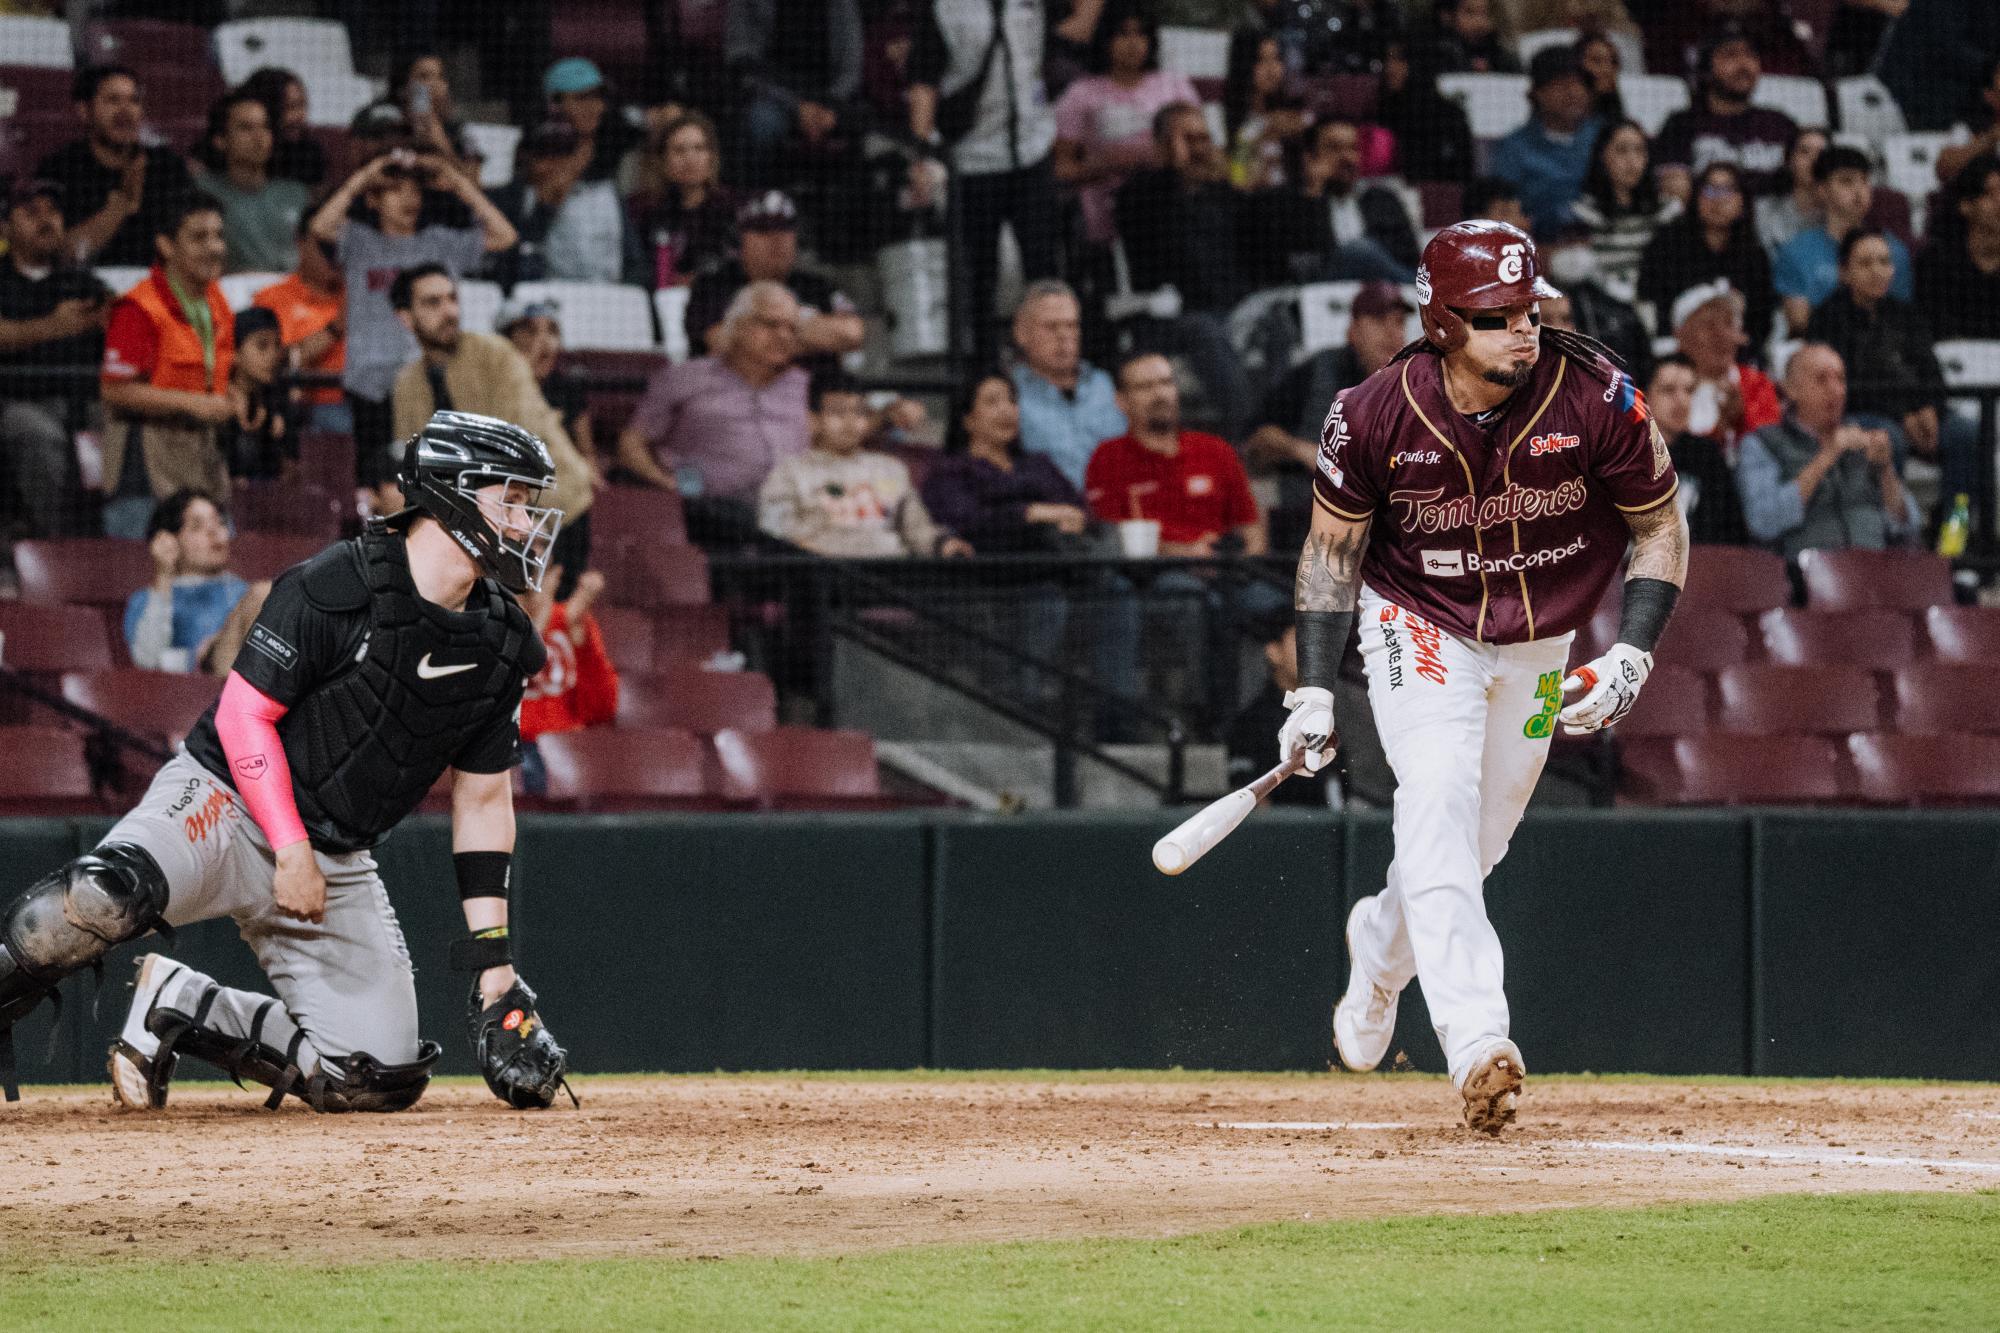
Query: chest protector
[[368, 743]]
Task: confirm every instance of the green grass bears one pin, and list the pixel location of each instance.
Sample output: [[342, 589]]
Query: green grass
[[1851, 1261]]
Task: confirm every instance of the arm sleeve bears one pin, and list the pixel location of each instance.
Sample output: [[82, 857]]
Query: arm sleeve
[[920, 532], [1633, 464], [1772, 506], [1344, 483], [1100, 487], [1073, 114], [654, 417], [246, 722], [954, 500]]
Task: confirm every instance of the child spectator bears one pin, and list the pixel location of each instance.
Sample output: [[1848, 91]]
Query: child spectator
[[260, 442], [173, 623], [1807, 269]]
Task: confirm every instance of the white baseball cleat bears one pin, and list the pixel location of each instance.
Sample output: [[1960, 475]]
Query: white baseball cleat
[[1364, 1022], [133, 1085], [1492, 1090]]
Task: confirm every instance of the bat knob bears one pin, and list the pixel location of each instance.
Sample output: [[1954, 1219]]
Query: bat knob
[[1169, 857]]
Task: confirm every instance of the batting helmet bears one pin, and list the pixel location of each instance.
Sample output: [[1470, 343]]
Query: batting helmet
[[1476, 265]]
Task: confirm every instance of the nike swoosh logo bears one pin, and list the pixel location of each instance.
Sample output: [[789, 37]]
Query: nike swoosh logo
[[425, 671]]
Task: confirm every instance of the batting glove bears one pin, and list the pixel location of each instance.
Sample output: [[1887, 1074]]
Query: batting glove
[[1610, 686], [1310, 727]]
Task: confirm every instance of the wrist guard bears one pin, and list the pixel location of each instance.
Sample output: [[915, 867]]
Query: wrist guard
[[481, 950], [1322, 642], [1648, 604]]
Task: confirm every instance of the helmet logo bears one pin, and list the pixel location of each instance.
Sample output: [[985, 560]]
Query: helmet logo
[[1424, 284], [1513, 259]]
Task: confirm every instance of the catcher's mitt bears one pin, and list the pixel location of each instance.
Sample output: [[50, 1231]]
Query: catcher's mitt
[[516, 1051]]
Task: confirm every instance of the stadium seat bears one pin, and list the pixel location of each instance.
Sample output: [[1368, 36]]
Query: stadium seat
[[1674, 703], [1760, 700], [1647, 771], [317, 50], [148, 43], [670, 306], [1857, 580], [326, 459], [54, 638], [1704, 638], [1933, 698], [800, 768], [610, 32], [120, 279], [1969, 634], [1969, 360], [652, 576], [1909, 162], [611, 768], [1801, 98], [628, 637], [1868, 108], [918, 458], [614, 316], [42, 42], [240, 289], [302, 509], [704, 702], [1735, 578], [1750, 770], [164, 704], [1199, 53], [478, 305], [690, 634], [495, 146], [265, 555], [1342, 96], [95, 571], [1651, 98], [45, 773], [1926, 770], [1495, 104], [1876, 640], [638, 513]]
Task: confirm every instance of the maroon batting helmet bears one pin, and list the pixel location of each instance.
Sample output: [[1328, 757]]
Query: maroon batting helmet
[[1476, 265]]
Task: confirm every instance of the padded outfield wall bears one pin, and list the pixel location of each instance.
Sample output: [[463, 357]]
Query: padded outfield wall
[[1804, 943]]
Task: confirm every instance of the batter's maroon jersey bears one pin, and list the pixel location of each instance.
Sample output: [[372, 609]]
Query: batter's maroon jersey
[[1504, 530]]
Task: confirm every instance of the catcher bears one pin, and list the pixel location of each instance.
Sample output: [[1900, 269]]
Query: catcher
[[371, 669]]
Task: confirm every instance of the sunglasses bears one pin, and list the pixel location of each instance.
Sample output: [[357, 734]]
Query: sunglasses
[[1497, 323]]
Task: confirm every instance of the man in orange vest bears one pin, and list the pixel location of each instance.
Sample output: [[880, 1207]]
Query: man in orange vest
[[165, 378]]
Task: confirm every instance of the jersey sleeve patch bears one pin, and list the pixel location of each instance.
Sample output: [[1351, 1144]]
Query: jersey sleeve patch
[[266, 641]]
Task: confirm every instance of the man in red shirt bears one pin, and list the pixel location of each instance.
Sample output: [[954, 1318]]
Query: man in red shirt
[[1474, 497], [1194, 487]]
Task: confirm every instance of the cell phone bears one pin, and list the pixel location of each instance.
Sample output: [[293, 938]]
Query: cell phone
[[420, 100]]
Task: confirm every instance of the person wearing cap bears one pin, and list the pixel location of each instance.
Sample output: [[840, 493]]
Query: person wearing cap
[[1680, 35], [767, 228], [1548, 157], [535, 329], [577, 93], [797, 67], [260, 444], [1722, 125], [1730, 399], [1713, 239], [51, 315], [572, 225], [1807, 268], [115, 188], [260, 212]]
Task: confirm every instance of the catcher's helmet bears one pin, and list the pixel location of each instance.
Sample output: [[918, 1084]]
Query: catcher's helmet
[[451, 458], [1476, 265]]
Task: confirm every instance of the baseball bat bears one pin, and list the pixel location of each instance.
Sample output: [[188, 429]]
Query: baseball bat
[[1197, 835]]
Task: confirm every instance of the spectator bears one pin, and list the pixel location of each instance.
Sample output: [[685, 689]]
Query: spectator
[[685, 217], [1979, 128], [480, 372], [1570, 260], [1548, 157], [1433, 136], [1470, 40], [1332, 227], [1260, 112], [1182, 226], [1606, 16], [1247, 739], [377, 130], [165, 377], [976, 93], [768, 251], [259, 443], [1621, 205], [1722, 125], [572, 226], [1807, 270], [838, 499], [421, 86], [576, 92], [713, 428], [1958, 278], [295, 154], [1711, 240], [260, 212], [534, 330], [1602, 63], [799, 80], [1491, 197], [117, 192], [311, 306], [1681, 37], [1818, 479], [1933, 57], [1104, 121], [578, 685], [1886, 346], [1707, 494], [1783, 216], [371, 253], [175, 622], [51, 315], [1730, 399], [1067, 406]]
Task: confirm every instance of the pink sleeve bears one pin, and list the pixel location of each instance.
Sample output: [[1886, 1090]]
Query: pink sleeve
[[246, 720]]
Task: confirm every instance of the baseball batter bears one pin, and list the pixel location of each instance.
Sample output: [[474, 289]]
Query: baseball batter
[[1475, 497], [372, 668]]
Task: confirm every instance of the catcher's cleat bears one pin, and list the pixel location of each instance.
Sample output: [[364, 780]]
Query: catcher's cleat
[[1492, 1090], [1364, 1022], [138, 1077]]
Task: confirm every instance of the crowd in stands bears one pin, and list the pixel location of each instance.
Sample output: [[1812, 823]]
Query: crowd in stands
[[1777, 300]]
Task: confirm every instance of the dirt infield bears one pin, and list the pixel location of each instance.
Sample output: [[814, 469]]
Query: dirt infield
[[692, 1167]]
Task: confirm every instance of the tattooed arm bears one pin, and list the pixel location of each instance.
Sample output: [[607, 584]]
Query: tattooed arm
[[1329, 576], [1328, 585]]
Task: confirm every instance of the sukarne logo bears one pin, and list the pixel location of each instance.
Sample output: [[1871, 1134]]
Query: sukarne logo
[[1549, 444]]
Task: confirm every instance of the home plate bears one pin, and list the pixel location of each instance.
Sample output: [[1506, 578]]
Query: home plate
[[1310, 1125]]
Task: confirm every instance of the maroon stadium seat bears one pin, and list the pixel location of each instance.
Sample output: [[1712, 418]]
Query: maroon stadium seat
[[54, 638], [654, 577], [918, 458], [1934, 698], [327, 459], [1964, 633], [703, 702], [146, 43], [611, 768], [45, 772], [1735, 578], [1856, 580], [1674, 703], [610, 32], [1926, 770], [1797, 701], [800, 767], [691, 634], [1703, 638], [1878, 639], [265, 555], [628, 637], [95, 571], [152, 703], [637, 513], [303, 509], [1732, 770], [1647, 773]]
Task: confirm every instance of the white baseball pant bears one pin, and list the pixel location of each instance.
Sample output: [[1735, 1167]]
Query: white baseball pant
[[1466, 728]]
